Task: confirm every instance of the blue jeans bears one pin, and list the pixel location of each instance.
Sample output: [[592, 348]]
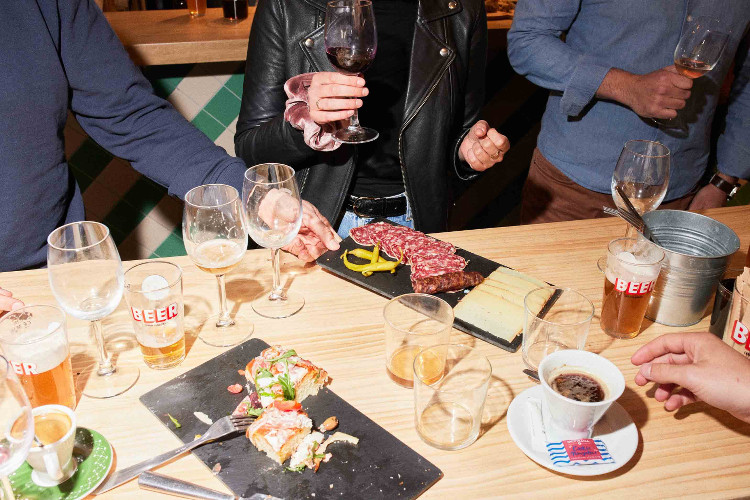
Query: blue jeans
[[351, 220]]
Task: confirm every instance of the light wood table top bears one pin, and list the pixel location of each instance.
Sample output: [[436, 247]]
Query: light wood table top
[[157, 37], [698, 451]]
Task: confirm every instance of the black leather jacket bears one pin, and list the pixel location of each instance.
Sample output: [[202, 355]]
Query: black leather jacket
[[444, 96]]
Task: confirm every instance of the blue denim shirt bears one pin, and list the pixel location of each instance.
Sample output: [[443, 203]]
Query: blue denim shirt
[[583, 135]]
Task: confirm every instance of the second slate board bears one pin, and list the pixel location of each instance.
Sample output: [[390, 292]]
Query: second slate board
[[380, 467], [393, 285]]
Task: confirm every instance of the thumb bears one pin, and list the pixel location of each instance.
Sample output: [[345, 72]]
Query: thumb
[[479, 130], [665, 373]]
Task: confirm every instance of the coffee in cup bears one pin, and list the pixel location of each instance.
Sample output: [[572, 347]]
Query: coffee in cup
[[575, 383], [51, 455]]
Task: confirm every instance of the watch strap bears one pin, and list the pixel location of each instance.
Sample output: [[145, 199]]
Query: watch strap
[[728, 187]]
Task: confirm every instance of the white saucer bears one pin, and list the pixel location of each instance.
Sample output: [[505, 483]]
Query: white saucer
[[616, 429]]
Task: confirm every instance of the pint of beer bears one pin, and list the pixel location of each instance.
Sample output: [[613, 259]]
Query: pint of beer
[[737, 329], [633, 266], [153, 291], [35, 341]]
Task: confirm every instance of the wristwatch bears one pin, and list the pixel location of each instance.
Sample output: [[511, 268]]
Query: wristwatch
[[728, 187]]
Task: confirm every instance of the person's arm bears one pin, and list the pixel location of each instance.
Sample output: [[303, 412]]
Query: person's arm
[[733, 150], [262, 133], [116, 106], [700, 366]]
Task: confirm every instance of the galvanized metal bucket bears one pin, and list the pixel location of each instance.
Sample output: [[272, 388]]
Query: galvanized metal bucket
[[697, 250]]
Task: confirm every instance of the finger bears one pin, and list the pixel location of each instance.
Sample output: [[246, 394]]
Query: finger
[[315, 211], [663, 391], [673, 103], [330, 116], [298, 249], [337, 90], [331, 77], [673, 358], [489, 147], [330, 104], [677, 343], [9, 303], [680, 81], [481, 154], [479, 129], [5, 292], [471, 159], [679, 399], [663, 373], [665, 114], [499, 140], [323, 230]]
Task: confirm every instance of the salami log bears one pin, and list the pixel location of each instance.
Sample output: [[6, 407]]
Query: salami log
[[447, 282]]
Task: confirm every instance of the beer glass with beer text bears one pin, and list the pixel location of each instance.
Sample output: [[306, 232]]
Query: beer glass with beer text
[[632, 268], [35, 342], [85, 275], [153, 291]]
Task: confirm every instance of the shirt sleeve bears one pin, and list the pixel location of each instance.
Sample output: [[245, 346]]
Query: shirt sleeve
[[537, 52], [733, 149], [116, 106]]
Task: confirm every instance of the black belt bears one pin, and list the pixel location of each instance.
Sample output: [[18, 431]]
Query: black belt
[[365, 206]]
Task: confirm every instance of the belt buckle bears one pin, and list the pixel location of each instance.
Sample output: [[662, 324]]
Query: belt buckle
[[357, 212]]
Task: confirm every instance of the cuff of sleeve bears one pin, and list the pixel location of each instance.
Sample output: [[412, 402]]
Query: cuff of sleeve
[[581, 89], [732, 159], [463, 170]]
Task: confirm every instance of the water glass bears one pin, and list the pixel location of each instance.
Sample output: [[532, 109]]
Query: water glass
[[450, 388], [563, 324], [413, 322]]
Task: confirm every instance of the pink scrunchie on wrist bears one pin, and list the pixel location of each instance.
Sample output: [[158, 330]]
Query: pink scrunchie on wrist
[[297, 113]]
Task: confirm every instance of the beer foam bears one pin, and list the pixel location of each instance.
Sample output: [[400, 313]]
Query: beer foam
[[628, 267], [155, 287], [44, 355]]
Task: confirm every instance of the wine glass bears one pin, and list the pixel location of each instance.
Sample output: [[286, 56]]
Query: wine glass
[[700, 46], [215, 239], [698, 51], [273, 212], [351, 42], [642, 172], [86, 277], [17, 420]]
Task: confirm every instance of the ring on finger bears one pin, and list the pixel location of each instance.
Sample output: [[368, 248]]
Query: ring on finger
[[317, 104], [495, 156]]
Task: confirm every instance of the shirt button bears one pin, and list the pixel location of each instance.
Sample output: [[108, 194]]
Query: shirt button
[[452, 5], [444, 52], [309, 43]]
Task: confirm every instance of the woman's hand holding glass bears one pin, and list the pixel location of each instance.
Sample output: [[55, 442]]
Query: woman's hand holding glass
[[332, 97]]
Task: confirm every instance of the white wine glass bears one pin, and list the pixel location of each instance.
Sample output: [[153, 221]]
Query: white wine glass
[[273, 212], [215, 239], [642, 172], [86, 277], [17, 421]]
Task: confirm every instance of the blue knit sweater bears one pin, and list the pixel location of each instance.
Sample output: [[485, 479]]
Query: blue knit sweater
[[61, 55]]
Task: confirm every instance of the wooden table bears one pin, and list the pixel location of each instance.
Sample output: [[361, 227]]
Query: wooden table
[[172, 37], [698, 451]]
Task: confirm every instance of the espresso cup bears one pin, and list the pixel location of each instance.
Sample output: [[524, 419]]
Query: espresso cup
[[565, 418], [55, 428]]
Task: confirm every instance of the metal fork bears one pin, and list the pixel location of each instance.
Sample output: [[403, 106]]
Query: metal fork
[[220, 428], [624, 216]]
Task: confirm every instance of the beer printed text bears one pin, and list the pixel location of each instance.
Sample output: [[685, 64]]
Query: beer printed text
[[152, 316], [22, 368], [633, 287], [740, 334]]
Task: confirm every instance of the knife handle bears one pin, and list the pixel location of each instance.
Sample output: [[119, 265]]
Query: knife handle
[[165, 484]]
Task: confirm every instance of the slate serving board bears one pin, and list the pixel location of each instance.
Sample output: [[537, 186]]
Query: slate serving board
[[393, 285], [380, 467]]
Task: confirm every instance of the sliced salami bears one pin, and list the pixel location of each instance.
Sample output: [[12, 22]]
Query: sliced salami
[[369, 234], [442, 264]]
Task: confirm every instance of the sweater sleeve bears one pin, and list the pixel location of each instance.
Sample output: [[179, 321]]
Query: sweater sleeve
[[733, 150], [536, 51], [116, 106]]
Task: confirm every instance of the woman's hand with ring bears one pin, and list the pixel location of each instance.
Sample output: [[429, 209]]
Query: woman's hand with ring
[[333, 96], [483, 147]]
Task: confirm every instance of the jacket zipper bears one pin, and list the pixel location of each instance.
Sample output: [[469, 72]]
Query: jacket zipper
[[401, 135]]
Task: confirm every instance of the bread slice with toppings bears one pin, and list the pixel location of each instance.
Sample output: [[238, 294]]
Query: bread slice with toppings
[[279, 374], [280, 430]]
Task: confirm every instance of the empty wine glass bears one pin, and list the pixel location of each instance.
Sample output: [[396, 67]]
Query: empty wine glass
[[215, 239], [273, 211], [351, 43], [86, 277], [642, 172], [17, 422]]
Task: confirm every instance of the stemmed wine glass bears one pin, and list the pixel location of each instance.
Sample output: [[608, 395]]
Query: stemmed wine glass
[[273, 212], [698, 51], [86, 277], [216, 240], [642, 172], [17, 422], [351, 42]]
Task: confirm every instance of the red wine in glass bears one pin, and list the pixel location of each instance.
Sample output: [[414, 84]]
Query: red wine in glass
[[351, 43]]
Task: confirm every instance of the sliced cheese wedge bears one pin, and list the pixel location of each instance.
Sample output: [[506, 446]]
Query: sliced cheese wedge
[[512, 272], [491, 313]]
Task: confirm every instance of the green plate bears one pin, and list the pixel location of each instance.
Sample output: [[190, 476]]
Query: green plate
[[94, 456]]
